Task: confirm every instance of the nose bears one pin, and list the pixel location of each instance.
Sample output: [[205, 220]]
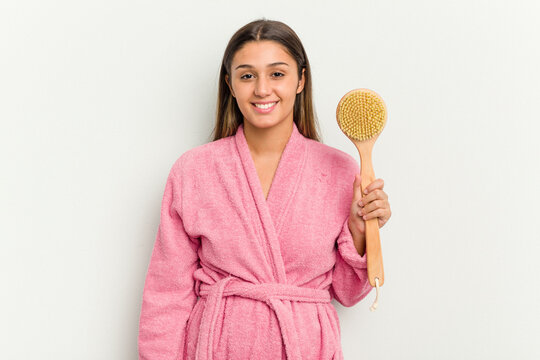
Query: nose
[[262, 87]]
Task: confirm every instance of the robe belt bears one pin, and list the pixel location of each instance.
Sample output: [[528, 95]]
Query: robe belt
[[270, 293]]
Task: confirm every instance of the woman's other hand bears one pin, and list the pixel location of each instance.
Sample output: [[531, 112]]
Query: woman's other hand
[[372, 204]]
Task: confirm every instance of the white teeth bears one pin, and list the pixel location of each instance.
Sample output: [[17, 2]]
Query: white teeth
[[265, 106]]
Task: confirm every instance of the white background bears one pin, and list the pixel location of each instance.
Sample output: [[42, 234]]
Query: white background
[[99, 98]]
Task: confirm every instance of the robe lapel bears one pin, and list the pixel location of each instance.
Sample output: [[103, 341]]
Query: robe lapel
[[286, 180]]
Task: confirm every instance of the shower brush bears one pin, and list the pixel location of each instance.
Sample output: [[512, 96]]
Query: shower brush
[[361, 115]]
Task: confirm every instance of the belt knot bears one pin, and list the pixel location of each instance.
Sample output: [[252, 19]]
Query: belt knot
[[273, 294]]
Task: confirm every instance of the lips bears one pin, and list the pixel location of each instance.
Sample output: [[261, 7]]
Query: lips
[[265, 107]]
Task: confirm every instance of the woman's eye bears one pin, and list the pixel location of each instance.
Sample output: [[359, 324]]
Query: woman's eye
[[249, 76]]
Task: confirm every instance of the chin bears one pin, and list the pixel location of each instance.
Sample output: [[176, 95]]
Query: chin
[[264, 124]]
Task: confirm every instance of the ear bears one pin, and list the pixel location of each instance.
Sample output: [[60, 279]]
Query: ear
[[230, 87], [301, 82]]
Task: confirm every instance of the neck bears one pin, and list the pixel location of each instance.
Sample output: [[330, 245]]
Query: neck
[[267, 141]]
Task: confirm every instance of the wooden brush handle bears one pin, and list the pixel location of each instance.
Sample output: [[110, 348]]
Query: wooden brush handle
[[373, 242]]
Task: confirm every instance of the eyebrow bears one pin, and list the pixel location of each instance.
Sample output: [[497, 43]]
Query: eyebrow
[[251, 67]]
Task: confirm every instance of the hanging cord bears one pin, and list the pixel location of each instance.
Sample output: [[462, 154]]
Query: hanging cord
[[375, 303]]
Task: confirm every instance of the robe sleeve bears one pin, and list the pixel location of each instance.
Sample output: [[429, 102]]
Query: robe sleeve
[[168, 295], [350, 282]]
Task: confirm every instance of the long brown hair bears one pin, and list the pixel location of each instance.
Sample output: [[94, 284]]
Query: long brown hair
[[228, 114]]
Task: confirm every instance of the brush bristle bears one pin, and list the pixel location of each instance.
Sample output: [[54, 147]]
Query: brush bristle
[[361, 114]]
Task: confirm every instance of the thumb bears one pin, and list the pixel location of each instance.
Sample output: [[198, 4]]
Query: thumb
[[357, 188]]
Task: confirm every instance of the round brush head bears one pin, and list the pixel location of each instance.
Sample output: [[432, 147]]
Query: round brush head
[[361, 114]]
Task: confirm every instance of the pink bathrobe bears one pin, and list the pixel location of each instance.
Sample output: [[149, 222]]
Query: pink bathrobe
[[236, 276]]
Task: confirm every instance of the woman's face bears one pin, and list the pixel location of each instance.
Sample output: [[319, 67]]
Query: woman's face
[[264, 75]]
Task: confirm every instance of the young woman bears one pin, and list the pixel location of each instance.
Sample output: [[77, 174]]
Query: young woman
[[261, 227]]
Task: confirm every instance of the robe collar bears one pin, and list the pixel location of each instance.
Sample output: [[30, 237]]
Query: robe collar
[[285, 183]]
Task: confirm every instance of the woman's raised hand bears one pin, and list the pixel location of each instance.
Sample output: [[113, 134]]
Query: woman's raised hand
[[374, 204]]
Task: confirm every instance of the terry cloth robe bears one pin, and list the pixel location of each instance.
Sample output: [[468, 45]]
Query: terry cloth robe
[[236, 276]]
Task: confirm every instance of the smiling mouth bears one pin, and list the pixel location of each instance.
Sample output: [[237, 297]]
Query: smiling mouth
[[265, 106]]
